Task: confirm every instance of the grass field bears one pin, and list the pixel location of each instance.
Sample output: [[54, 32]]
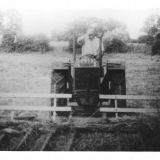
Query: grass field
[[26, 73]]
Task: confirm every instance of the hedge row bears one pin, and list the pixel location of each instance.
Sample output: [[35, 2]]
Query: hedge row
[[139, 48], [23, 44], [118, 46]]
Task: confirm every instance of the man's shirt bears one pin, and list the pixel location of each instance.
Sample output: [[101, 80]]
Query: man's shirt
[[89, 46]]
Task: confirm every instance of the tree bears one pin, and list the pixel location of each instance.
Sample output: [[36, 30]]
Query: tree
[[115, 46], [1, 26], [118, 33], [112, 29], [151, 24], [1, 22], [12, 21], [116, 37], [11, 28], [112, 24], [79, 27], [151, 28]]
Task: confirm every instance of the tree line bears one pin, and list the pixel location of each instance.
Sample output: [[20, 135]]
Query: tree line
[[116, 37]]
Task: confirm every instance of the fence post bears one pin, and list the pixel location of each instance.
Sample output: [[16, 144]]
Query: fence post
[[12, 112], [70, 115], [55, 104], [104, 114], [12, 115], [116, 107]]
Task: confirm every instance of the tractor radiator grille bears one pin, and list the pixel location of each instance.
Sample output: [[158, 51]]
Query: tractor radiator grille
[[87, 79]]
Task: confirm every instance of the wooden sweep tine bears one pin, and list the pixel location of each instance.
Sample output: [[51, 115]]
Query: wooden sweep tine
[[24, 139], [47, 140], [2, 136], [70, 141]]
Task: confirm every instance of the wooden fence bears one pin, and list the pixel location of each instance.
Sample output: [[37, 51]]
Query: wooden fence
[[68, 108], [53, 108], [117, 110]]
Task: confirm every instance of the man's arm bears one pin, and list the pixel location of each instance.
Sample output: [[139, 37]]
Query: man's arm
[[102, 48]]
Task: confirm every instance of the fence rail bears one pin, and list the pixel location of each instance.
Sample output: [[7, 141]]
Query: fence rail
[[34, 95], [56, 95], [129, 110], [37, 108], [129, 97]]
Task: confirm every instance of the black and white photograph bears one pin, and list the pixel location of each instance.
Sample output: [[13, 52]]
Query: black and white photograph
[[79, 76]]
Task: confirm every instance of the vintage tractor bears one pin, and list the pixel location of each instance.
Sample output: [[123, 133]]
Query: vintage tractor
[[85, 78]]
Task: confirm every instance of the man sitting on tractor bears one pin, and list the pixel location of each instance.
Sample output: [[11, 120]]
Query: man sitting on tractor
[[90, 44]]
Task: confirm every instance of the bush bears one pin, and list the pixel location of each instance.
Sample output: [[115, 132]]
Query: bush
[[41, 46], [154, 43], [8, 41], [138, 48], [146, 39], [114, 46], [24, 43], [156, 47]]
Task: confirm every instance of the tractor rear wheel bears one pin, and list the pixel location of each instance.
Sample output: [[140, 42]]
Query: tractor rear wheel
[[59, 85], [114, 83], [118, 86]]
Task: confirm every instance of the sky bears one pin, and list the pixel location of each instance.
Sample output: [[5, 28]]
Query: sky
[[46, 16]]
